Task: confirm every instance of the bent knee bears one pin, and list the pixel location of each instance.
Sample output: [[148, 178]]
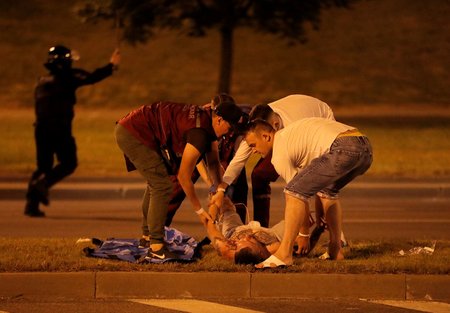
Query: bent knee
[[69, 167]]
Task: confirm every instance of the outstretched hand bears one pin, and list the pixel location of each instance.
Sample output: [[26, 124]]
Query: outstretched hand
[[205, 217], [217, 199], [213, 211]]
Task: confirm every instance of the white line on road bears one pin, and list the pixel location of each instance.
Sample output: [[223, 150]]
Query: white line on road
[[398, 221], [193, 306], [423, 306]]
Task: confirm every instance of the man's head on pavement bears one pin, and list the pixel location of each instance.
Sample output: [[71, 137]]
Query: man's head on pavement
[[250, 251], [245, 250], [260, 136]]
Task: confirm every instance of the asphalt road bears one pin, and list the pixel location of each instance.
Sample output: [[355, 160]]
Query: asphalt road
[[374, 211], [225, 306]]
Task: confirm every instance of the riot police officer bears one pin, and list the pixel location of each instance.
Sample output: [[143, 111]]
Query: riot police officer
[[54, 101]]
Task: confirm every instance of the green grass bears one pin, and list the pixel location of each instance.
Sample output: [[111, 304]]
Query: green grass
[[63, 255], [407, 146], [414, 147]]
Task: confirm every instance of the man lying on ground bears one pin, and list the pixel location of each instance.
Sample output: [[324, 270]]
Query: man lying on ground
[[243, 244]]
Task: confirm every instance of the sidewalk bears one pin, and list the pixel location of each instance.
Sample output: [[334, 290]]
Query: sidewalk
[[118, 188], [265, 284], [100, 285]]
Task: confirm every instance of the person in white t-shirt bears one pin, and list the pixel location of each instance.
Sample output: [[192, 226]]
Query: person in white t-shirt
[[279, 114], [314, 156]]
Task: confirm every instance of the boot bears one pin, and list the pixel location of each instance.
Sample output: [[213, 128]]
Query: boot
[[40, 190], [32, 208]]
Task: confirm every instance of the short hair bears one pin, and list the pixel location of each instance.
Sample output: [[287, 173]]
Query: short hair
[[222, 98], [261, 111], [258, 125], [223, 105], [247, 256]]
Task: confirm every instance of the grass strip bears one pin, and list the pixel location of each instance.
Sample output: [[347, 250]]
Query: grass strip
[[362, 257], [414, 147]]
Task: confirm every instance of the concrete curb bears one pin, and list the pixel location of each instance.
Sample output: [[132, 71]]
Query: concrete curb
[[134, 190], [101, 285]]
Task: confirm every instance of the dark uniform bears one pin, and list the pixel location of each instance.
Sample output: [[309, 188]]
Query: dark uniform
[[54, 101]]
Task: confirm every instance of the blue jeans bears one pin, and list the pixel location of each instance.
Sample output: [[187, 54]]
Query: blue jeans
[[349, 156]]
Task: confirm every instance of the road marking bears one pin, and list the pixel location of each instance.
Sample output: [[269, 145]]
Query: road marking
[[193, 306], [423, 306], [398, 221]]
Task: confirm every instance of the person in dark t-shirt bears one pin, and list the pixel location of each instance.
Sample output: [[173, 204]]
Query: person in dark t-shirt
[[237, 191], [167, 138]]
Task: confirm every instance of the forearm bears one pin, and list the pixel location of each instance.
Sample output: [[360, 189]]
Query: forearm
[[100, 74], [188, 188], [203, 171], [237, 163], [211, 230], [214, 171], [213, 163]]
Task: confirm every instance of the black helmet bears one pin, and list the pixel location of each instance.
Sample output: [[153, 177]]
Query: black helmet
[[59, 57]]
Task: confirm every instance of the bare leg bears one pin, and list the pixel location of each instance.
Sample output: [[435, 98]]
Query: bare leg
[[333, 216], [318, 210], [296, 212]]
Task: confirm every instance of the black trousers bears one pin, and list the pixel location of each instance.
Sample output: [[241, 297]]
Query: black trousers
[[54, 142]]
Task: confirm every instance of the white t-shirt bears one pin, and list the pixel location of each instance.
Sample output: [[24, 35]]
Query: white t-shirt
[[290, 109], [296, 145]]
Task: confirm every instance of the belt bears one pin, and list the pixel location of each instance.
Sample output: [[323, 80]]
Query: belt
[[350, 133]]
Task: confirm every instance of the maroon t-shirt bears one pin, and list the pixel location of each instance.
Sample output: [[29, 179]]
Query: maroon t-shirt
[[171, 124]]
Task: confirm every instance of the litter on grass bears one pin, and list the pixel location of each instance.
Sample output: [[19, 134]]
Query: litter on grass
[[419, 250]]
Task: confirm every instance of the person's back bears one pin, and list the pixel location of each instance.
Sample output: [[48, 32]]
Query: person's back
[[280, 113], [296, 107], [54, 99], [298, 144]]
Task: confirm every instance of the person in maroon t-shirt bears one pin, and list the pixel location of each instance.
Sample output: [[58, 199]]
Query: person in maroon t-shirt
[[166, 138], [237, 191]]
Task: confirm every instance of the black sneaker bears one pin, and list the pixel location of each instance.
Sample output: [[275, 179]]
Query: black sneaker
[[144, 243], [162, 254]]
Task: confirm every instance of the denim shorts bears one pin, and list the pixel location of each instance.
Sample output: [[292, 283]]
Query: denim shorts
[[349, 156]]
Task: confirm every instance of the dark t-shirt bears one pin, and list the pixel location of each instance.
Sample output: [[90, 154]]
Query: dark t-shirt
[[198, 137]]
